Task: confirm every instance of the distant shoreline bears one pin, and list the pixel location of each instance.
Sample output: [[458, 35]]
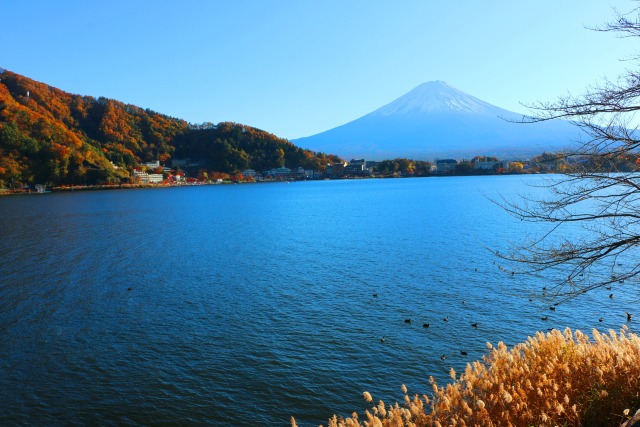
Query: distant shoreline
[[67, 189]]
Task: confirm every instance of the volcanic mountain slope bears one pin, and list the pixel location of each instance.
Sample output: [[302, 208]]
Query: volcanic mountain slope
[[436, 120]]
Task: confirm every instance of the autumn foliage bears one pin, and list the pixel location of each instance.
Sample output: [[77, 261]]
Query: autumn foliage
[[51, 136], [558, 378]]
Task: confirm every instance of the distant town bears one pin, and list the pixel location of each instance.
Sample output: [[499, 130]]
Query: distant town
[[191, 172], [155, 173]]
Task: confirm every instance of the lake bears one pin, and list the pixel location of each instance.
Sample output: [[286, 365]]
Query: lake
[[248, 304]]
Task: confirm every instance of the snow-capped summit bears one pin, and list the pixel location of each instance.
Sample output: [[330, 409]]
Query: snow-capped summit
[[437, 120], [436, 96]]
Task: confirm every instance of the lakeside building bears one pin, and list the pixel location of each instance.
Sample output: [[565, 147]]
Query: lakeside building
[[278, 173], [249, 173], [147, 178], [177, 178], [446, 166], [491, 165], [356, 167], [155, 178], [335, 169], [302, 173], [152, 165]]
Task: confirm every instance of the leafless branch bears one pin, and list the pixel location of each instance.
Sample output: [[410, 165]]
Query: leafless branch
[[594, 196]]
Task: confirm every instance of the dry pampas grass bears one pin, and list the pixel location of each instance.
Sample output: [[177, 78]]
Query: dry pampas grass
[[558, 378]]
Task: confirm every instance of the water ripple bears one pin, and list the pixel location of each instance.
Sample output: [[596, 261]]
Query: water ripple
[[244, 305]]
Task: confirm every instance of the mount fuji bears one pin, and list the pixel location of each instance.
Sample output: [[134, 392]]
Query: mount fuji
[[436, 120]]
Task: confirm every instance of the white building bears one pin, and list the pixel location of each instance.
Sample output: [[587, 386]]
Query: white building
[[155, 178], [148, 178], [153, 165], [491, 165], [278, 172]]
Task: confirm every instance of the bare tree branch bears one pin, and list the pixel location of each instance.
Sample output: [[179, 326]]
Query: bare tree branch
[[599, 194]]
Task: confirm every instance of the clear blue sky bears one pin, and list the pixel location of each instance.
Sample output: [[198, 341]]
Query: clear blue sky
[[299, 67]]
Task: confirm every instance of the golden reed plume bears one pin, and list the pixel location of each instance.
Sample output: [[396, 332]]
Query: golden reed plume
[[558, 378]]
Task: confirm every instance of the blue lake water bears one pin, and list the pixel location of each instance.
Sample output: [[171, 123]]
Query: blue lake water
[[250, 304]]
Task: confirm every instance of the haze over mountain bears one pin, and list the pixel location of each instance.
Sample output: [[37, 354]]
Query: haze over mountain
[[436, 120]]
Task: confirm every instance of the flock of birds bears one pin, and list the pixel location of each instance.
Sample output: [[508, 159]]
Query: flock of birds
[[427, 325], [475, 324]]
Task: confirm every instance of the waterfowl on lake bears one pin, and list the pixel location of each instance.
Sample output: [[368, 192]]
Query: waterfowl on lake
[[610, 295], [475, 325], [382, 339], [375, 295], [130, 289], [552, 308], [443, 357], [446, 319], [545, 317], [464, 353], [629, 316], [600, 319], [425, 325], [407, 320]]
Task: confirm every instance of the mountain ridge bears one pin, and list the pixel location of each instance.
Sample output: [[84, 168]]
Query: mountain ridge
[[437, 120], [435, 96]]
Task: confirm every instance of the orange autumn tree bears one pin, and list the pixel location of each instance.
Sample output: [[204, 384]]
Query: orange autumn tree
[[51, 136]]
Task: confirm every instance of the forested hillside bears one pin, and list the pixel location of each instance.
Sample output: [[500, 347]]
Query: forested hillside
[[51, 136]]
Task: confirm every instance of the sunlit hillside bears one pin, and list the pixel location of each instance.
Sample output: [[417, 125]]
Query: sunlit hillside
[[48, 135]]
